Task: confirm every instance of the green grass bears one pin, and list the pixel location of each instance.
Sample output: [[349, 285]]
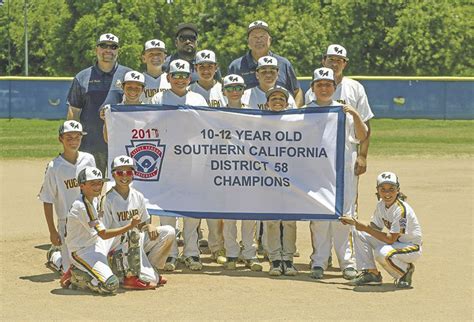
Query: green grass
[[35, 139]]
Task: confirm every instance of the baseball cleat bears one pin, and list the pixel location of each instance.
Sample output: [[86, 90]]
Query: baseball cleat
[[231, 263], [405, 280], [193, 263], [49, 263], [219, 256], [349, 273], [134, 283], [171, 263], [317, 272], [254, 265], [367, 278], [289, 269], [276, 268]]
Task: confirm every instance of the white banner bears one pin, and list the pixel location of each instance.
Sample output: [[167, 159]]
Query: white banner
[[234, 163]]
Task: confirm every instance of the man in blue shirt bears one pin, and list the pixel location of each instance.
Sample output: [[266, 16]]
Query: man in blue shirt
[[92, 88], [259, 41]]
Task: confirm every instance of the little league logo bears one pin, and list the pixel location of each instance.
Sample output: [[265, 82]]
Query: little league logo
[[148, 156]]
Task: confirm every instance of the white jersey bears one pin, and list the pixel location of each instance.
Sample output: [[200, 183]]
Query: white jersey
[[118, 212], [168, 97], [83, 224], [153, 86], [350, 157], [60, 186], [350, 92], [255, 98], [399, 218], [214, 97]]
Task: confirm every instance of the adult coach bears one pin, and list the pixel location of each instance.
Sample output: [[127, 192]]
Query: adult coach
[[259, 41], [186, 43], [350, 92], [92, 88]]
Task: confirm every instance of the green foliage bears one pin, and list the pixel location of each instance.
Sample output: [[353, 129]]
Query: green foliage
[[391, 37]]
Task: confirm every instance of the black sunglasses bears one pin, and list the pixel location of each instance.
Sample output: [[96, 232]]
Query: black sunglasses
[[104, 46], [183, 38]]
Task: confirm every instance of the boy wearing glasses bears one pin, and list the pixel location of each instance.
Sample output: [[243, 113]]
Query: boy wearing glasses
[[91, 89], [267, 75], [154, 55], [60, 189], [325, 234], [206, 67], [147, 247], [233, 90]]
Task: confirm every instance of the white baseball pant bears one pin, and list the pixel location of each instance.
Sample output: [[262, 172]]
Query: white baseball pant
[[280, 248], [394, 258], [158, 250], [232, 247], [171, 221], [215, 237], [190, 236], [326, 233], [62, 258]]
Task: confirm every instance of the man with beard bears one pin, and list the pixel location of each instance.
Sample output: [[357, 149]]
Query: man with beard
[[92, 88], [186, 44]]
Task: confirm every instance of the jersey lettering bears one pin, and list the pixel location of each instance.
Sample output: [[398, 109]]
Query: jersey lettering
[[71, 183], [150, 92], [126, 215], [214, 103]]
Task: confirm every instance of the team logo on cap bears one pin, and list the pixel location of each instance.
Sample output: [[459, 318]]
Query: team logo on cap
[[135, 76], [148, 156], [258, 23], [74, 125], [110, 37], [323, 73], [124, 161], [338, 50], [156, 43], [268, 60], [96, 173], [206, 55], [386, 176], [233, 79], [179, 66]]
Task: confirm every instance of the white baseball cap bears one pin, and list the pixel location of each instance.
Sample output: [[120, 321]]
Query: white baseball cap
[[122, 160], [337, 50], [278, 89], [233, 79], [267, 61], [108, 38], [179, 66], [387, 177], [205, 56], [89, 174], [258, 24], [155, 44], [323, 73], [71, 126], [134, 76]]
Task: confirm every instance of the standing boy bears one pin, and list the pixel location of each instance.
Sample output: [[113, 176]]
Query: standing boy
[[154, 55], [60, 189]]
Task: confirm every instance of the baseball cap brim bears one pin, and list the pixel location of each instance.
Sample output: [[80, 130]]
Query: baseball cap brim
[[183, 26]]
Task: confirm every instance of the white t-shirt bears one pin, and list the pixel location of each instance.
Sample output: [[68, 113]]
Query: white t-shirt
[[350, 157], [168, 97], [153, 86], [60, 186], [350, 92], [83, 224], [119, 211], [255, 98], [214, 97], [399, 218]]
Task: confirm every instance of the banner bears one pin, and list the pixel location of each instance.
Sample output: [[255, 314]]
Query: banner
[[234, 163]]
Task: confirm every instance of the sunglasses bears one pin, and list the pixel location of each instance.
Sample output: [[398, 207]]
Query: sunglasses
[[104, 46], [124, 173], [236, 88], [183, 38], [179, 75]]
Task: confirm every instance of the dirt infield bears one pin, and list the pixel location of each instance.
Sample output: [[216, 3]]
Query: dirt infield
[[440, 190]]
